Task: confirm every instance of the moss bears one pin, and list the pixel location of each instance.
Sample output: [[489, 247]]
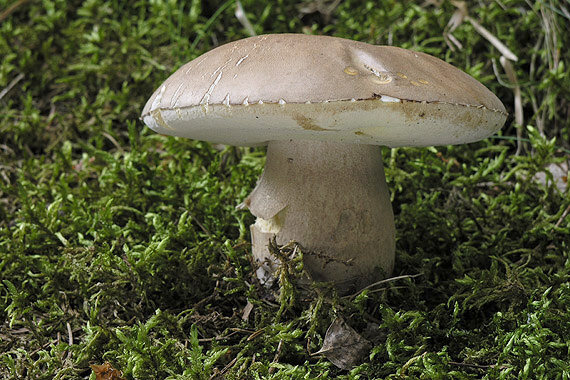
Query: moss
[[120, 245]]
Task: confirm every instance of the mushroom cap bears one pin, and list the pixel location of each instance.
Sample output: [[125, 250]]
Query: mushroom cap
[[295, 86]]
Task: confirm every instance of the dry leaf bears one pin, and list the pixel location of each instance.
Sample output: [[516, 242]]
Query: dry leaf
[[106, 372], [246, 311], [343, 346]]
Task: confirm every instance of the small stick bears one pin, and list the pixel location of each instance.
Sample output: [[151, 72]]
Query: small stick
[[69, 340], [478, 366], [11, 9], [225, 369], [202, 227], [113, 141], [11, 85], [383, 282], [255, 335], [564, 215], [217, 338], [69, 335], [276, 357]]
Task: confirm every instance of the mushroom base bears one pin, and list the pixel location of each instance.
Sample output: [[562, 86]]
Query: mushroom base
[[332, 199]]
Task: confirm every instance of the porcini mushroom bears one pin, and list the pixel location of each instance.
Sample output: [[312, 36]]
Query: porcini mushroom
[[324, 106]]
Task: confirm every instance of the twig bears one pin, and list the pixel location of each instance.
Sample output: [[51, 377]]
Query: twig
[[276, 357], [202, 227], [383, 282], [564, 215], [255, 334], [565, 12], [223, 337], [11, 9], [501, 5], [44, 346], [205, 300], [11, 85], [69, 340], [478, 366], [384, 289], [113, 141], [225, 369], [69, 335]]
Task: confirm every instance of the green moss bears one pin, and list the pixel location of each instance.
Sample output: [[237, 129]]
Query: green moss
[[120, 245]]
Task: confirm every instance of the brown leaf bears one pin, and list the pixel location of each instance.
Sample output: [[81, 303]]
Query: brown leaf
[[106, 372], [343, 346]]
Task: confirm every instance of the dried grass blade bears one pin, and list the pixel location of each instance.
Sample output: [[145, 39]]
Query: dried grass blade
[[519, 116], [505, 51], [454, 22], [242, 18]]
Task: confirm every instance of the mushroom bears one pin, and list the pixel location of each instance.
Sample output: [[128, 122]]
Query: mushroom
[[323, 106]]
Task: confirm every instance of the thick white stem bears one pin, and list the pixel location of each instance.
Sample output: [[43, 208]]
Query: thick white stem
[[332, 199]]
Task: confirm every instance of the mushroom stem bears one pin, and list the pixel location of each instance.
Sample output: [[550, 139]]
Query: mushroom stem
[[332, 199]]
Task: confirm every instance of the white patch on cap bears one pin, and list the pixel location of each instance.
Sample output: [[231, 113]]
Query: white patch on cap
[[241, 60], [156, 102], [176, 96], [389, 99], [206, 98]]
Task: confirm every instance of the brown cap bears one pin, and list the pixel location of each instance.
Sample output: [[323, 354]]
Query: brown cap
[[294, 86]]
